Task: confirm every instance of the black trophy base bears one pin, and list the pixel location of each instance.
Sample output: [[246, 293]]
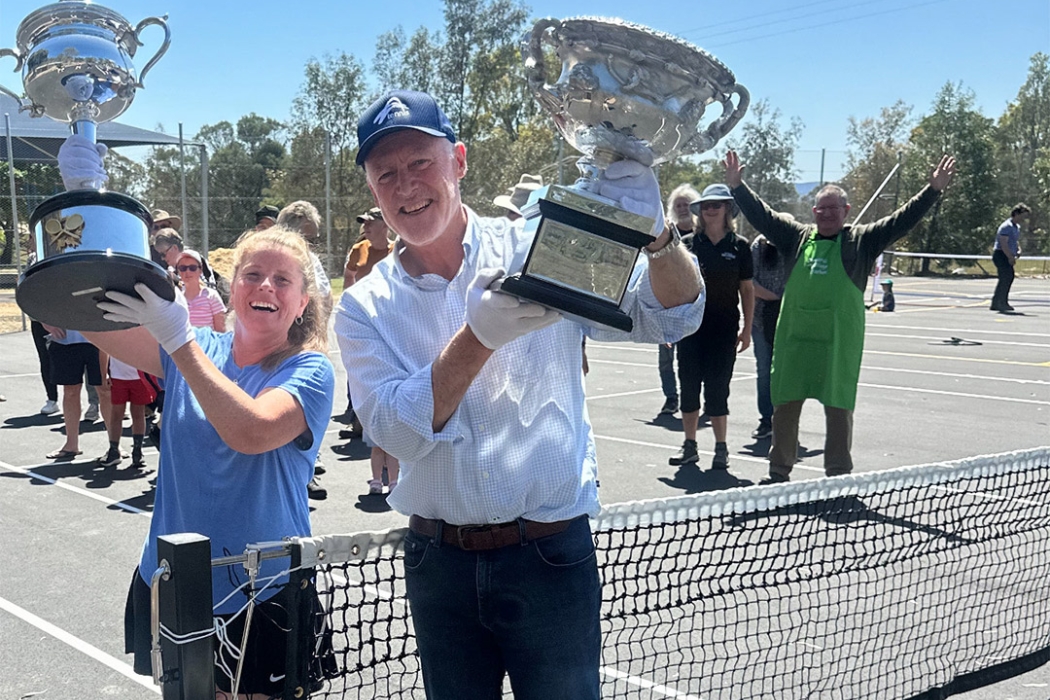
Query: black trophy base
[[64, 290], [567, 301]]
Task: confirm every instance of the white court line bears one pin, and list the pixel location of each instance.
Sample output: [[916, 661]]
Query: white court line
[[78, 644], [990, 397], [950, 375], [19, 376], [83, 492], [642, 683], [983, 342], [740, 457], [963, 330]]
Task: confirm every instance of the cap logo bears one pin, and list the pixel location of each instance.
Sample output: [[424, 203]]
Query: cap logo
[[393, 107]]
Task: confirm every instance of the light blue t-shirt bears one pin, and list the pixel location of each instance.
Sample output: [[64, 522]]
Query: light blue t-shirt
[[236, 499], [1012, 232]]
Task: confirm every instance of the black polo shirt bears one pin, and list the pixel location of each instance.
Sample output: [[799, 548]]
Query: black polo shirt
[[724, 267]]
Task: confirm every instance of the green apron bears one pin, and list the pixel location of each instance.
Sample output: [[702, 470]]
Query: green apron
[[820, 332]]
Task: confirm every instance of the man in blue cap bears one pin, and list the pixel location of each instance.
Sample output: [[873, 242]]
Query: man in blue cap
[[481, 397]]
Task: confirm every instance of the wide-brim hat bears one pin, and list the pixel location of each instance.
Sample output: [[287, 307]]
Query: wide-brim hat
[[400, 109], [373, 214], [163, 218], [518, 196], [715, 193]]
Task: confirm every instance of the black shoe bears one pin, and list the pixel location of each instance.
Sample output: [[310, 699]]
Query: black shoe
[[670, 406], [774, 479], [110, 459], [315, 491], [319, 468], [764, 430], [137, 460], [1006, 307], [686, 455], [720, 461]]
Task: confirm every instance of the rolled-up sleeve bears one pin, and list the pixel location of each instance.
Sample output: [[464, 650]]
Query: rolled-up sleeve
[[652, 322], [395, 404]]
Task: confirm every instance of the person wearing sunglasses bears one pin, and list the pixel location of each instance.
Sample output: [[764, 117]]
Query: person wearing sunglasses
[[706, 357], [205, 304], [820, 331]]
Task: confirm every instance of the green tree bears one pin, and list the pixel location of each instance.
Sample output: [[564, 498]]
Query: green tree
[[1022, 141], [959, 221], [874, 145]]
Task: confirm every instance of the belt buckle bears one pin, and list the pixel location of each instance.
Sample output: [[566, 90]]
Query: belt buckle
[[490, 530]]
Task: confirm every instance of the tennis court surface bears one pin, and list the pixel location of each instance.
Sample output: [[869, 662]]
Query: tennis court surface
[[943, 379]]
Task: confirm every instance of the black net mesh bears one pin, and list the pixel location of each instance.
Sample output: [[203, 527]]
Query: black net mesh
[[920, 582]]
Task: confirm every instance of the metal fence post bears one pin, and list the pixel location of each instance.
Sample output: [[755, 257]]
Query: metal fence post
[[188, 671]]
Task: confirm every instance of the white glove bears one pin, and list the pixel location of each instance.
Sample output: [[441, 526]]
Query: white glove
[[633, 186], [497, 318], [80, 162], [167, 321]]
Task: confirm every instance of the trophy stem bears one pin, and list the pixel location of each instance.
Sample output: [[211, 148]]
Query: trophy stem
[[85, 128]]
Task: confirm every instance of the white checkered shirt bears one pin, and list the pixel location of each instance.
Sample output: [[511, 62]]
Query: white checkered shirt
[[520, 444]]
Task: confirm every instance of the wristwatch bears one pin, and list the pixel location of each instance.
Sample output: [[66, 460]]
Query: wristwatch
[[672, 243]]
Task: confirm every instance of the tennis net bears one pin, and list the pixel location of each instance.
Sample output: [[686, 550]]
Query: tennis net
[[919, 582]]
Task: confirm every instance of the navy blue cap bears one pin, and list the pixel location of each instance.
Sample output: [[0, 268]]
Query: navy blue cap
[[396, 110]]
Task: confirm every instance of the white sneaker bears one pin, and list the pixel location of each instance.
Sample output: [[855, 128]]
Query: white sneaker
[[91, 415], [49, 408]]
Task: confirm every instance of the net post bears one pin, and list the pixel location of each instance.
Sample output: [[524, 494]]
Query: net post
[[297, 664], [186, 609]]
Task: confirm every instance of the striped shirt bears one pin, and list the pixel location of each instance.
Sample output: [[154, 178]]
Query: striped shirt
[[204, 306], [520, 443]]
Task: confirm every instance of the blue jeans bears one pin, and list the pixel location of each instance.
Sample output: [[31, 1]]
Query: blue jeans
[[529, 611], [763, 364], [666, 365]]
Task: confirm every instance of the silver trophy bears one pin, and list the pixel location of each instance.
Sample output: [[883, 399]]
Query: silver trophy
[[625, 91], [76, 64]]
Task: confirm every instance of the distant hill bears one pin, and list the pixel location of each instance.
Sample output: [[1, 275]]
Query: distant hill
[[804, 188]]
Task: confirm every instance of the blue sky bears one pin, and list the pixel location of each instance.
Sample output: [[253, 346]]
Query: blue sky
[[819, 60]]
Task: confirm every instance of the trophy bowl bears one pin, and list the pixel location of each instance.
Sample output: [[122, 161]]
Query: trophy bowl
[[76, 64], [625, 91]]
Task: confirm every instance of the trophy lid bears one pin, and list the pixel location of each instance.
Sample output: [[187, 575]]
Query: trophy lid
[[72, 12]]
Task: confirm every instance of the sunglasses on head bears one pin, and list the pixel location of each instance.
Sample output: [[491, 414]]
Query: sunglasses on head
[[188, 268]]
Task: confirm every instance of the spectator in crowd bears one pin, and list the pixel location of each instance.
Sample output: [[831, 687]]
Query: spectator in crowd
[[162, 219], [303, 217], [770, 278], [205, 304], [517, 196], [706, 357], [50, 406], [375, 245], [820, 333], [888, 303], [124, 385], [481, 397], [72, 358], [266, 216], [168, 244], [678, 213], [1005, 251]]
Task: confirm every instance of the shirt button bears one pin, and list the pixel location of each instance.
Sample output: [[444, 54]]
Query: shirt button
[[481, 428], [485, 475]]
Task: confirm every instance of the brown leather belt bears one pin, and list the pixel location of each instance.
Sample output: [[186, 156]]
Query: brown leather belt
[[475, 538]]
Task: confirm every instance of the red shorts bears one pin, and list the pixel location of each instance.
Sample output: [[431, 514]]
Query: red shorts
[[134, 391]]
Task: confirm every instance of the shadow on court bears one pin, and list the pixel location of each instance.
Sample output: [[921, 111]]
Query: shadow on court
[[372, 503], [691, 479]]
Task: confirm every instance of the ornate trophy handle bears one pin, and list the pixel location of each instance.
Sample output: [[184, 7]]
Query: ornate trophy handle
[[159, 21], [535, 67], [22, 106], [724, 124]]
